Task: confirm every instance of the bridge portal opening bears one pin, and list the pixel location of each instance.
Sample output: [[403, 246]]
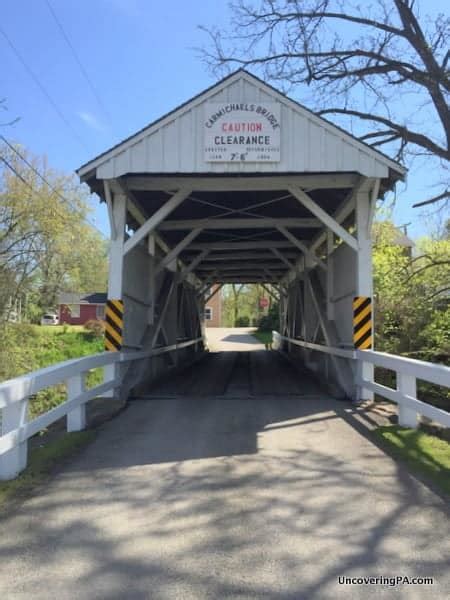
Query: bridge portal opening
[[193, 203]]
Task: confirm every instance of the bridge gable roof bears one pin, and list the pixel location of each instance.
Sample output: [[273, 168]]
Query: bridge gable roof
[[174, 143]]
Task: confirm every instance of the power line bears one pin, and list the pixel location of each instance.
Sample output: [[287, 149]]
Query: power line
[[36, 172], [16, 173], [42, 88], [44, 179], [79, 63], [23, 180]]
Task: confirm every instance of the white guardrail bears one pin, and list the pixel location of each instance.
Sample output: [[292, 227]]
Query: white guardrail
[[407, 371], [15, 393]]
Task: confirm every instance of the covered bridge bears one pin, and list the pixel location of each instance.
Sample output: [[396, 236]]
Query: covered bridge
[[241, 184]]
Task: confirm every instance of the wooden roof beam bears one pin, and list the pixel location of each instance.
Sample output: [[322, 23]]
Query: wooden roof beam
[[242, 184]]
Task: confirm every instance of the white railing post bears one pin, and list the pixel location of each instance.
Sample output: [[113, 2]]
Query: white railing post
[[406, 384], [14, 461], [109, 374], [363, 370], [76, 418]]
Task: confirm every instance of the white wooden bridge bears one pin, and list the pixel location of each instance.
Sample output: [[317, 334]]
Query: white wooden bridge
[[239, 184]]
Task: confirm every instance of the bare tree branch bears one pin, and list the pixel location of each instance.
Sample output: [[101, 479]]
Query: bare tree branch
[[384, 53], [407, 134], [434, 199]]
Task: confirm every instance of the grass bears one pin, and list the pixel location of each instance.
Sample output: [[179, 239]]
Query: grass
[[265, 337], [27, 348], [58, 328], [41, 463], [425, 454]]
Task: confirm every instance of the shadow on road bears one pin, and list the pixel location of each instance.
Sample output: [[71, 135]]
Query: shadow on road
[[277, 514], [240, 338], [268, 497]]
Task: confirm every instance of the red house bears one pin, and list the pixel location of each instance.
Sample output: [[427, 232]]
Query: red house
[[77, 309], [213, 309]]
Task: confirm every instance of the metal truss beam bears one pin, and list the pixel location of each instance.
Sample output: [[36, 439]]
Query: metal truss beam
[[291, 237], [245, 256], [238, 223], [218, 288], [152, 223], [241, 266], [249, 245], [321, 214], [192, 265], [283, 258], [173, 254], [271, 292]]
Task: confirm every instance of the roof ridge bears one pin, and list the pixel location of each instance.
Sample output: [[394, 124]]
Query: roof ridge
[[260, 81]]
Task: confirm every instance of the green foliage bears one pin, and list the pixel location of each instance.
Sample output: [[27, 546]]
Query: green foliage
[[424, 453], [412, 304], [243, 321], [434, 337], [411, 296], [265, 337], [27, 348], [271, 321], [242, 301], [41, 462], [46, 245]]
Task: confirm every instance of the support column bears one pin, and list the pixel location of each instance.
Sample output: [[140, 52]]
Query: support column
[[119, 210], [151, 276], [364, 283], [330, 281], [116, 254], [170, 325]]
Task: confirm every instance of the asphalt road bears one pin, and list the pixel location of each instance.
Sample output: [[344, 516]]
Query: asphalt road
[[246, 494]]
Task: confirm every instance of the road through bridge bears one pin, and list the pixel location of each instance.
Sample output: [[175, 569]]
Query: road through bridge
[[230, 474], [254, 493]]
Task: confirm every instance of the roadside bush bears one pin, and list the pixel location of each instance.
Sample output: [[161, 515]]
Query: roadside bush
[[95, 327], [243, 321], [26, 348], [271, 321]]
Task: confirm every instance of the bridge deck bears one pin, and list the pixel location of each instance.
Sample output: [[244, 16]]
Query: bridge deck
[[239, 374], [227, 496]]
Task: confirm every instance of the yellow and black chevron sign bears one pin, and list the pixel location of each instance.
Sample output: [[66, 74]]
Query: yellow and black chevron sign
[[114, 325], [362, 322]]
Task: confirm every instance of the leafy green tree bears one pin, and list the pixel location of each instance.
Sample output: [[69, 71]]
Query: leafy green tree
[[46, 245], [412, 295], [242, 302]]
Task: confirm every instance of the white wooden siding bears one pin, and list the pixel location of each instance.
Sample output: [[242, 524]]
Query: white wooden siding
[[175, 145]]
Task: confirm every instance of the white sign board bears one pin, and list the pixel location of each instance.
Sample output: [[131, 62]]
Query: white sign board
[[242, 132]]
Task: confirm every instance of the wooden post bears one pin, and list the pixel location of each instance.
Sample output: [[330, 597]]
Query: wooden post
[[151, 276], [406, 384], [76, 418], [330, 282], [15, 460], [364, 284]]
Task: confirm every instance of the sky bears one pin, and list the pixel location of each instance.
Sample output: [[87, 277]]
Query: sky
[[142, 60]]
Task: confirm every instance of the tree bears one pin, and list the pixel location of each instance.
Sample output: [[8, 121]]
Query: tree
[[73, 260], [242, 302], [46, 245], [362, 63], [236, 291], [412, 301]]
